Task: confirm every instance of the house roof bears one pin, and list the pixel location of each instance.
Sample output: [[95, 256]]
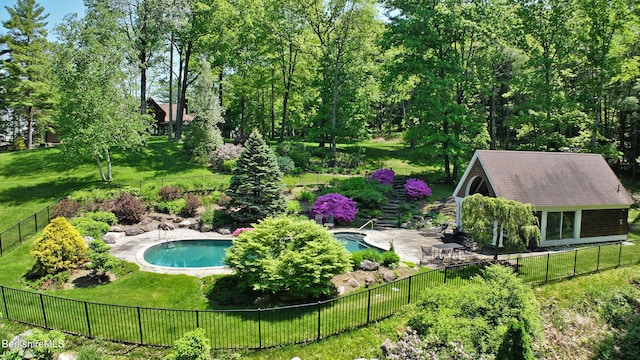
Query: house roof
[[550, 179], [174, 109]]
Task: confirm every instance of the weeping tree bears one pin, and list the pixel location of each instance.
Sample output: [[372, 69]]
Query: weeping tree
[[487, 218]]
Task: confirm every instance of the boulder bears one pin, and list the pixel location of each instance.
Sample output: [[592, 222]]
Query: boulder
[[135, 231], [368, 265], [19, 342], [166, 226], [194, 225], [341, 290], [112, 237], [353, 283], [116, 228], [184, 224], [224, 231], [205, 228], [388, 276]]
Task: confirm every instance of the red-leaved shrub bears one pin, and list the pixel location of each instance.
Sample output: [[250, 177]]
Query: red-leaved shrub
[[129, 209], [192, 204], [168, 193], [65, 207]]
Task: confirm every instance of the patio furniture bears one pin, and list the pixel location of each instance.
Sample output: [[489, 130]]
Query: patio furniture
[[318, 219], [330, 222], [427, 254]]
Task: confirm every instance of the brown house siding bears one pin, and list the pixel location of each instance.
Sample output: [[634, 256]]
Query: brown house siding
[[476, 170], [603, 222]]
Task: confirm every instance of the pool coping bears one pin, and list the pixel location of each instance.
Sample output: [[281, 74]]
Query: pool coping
[[132, 248]]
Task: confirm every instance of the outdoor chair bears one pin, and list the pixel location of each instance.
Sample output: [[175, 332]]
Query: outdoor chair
[[330, 222], [427, 254], [318, 219]]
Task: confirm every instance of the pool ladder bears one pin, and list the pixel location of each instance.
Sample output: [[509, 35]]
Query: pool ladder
[[372, 222]]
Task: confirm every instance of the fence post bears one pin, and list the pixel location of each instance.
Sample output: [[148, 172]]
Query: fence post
[[546, 278], [445, 275], [86, 314], [197, 319], [20, 232], [259, 328], [409, 292], [35, 220], [620, 254], [319, 302], [48, 214], [575, 262], [368, 306], [44, 314], [518, 265], [0, 244], [140, 324], [4, 300], [598, 261]]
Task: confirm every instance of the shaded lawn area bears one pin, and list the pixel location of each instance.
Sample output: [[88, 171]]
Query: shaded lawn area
[[33, 179]]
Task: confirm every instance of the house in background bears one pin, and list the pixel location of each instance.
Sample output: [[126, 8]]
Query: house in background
[[577, 197], [160, 114]]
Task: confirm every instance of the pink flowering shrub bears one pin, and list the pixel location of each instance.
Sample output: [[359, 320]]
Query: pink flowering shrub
[[341, 207], [383, 176], [227, 152], [417, 189], [239, 231]]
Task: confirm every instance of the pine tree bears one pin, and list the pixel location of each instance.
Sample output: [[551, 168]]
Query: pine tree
[[256, 185], [28, 91]]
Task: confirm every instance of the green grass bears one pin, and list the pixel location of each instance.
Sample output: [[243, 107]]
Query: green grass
[[33, 179]]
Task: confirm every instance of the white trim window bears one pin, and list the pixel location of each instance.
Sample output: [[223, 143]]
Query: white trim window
[[561, 225]]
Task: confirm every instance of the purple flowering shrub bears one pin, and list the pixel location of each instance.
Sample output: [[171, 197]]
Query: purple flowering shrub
[[341, 207], [383, 176], [239, 231], [417, 189]]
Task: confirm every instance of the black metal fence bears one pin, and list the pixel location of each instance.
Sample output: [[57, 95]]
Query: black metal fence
[[260, 328], [16, 234]]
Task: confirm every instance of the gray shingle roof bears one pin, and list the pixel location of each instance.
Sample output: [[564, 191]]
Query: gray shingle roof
[[547, 179]]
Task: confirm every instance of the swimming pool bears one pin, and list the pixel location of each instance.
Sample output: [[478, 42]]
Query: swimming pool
[[208, 253]]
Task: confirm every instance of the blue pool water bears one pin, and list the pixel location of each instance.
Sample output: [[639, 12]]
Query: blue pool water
[[205, 253]]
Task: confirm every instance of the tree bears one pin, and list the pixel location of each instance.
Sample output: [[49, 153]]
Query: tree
[[291, 256], [193, 345], [485, 219], [60, 248], [28, 85], [203, 137], [256, 185], [101, 260], [96, 111]]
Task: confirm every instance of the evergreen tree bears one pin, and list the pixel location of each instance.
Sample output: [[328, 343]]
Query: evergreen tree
[[28, 90], [256, 185]]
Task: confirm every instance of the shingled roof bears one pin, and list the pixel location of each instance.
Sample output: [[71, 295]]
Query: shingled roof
[[551, 179]]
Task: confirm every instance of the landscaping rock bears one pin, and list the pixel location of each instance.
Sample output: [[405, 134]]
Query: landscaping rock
[[205, 228], [135, 231], [166, 226], [388, 276], [112, 237], [341, 290], [116, 228], [353, 283], [368, 265], [194, 226], [88, 239], [19, 342], [184, 224], [68, 356], [224, 231], [370, 281]]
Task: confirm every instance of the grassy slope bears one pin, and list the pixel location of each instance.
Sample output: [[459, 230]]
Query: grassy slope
[[30, 180]]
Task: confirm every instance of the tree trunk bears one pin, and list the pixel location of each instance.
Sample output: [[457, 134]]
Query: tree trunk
[[30, 128], [183, 92], [108, 159], [272, 103], [170, 126], [334, 105], [102, 176]]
